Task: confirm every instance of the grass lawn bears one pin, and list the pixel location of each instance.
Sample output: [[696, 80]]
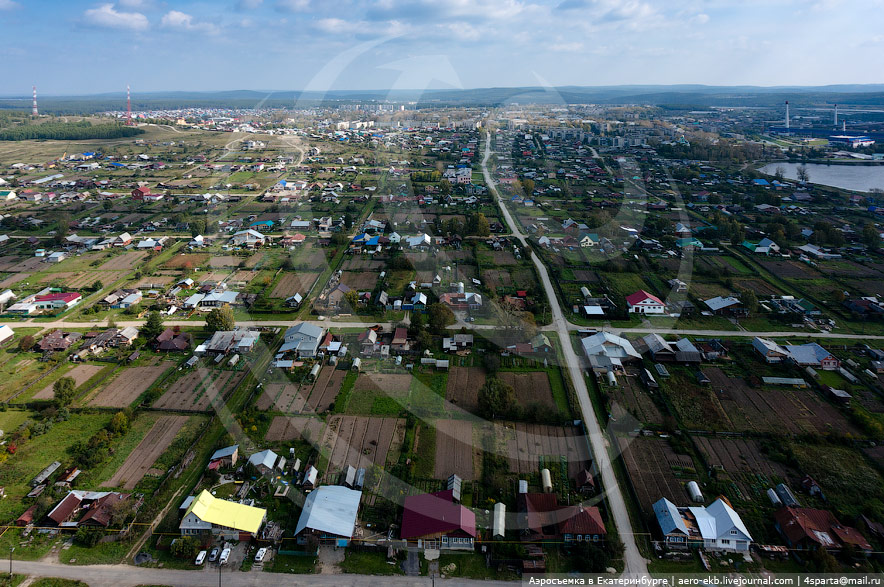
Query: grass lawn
[[28, 548], [107, 553], [287, 563], [370, 563], [38, 452], [55, 582], [470, 565], [12, 419], [424, 460]]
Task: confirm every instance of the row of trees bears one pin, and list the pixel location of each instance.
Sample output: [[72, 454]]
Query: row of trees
[[70, 131]]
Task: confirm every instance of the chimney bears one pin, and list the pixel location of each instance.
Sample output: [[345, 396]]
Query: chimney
[[787, 115]]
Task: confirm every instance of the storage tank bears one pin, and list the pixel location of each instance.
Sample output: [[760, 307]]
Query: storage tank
[[460, 287], [546, 481], [694, 491], [233, 361], [774, 498], [612, 379]]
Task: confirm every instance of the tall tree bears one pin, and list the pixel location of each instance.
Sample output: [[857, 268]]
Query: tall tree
[[496, 398], [153, 326], [64, 390], [220, 319]]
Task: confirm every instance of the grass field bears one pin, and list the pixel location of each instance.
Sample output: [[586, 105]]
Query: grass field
[[40, 451]]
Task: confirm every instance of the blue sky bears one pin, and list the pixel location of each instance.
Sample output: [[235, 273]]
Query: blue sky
[[74, 47]]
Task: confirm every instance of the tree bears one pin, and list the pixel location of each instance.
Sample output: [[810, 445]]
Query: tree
[[445, 187], [528, 186], [64, 390], [153, 326], [440, 316], [749, 300], [871, 236], [482, 226], [803, 174], [417, 324], [496, 398], [97, 285], [780, 173], [26, 343], [352, 298], [220, 319], [185, 547], [119, 424], [87, 536]]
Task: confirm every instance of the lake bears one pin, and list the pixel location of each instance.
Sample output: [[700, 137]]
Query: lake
[[859, 178]]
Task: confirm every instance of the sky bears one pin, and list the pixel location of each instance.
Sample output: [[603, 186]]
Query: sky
[[71, 47]]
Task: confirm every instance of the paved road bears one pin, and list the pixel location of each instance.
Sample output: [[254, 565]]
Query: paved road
[[127, 576], [634, 563]]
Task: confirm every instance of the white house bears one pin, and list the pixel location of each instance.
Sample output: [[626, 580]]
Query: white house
[[6, 333], [302, 339], [715, 527], [641, 302], [771, 351], [248, 238]]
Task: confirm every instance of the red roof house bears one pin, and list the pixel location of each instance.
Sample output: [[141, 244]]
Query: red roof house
[[641, 302], [542, 518], [808, 529], [436, 517]]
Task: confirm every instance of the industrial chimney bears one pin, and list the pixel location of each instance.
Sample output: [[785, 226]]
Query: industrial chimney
[[34, 105], [787, 115], [836, 115]]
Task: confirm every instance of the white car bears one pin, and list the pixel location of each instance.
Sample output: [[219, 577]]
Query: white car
[[259, 556], [225, 554]]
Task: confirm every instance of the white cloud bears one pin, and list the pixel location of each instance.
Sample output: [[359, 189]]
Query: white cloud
[[8, 4], [293, 5], [182, 21], [133, 4], [248, 4], [574, 47], [107, 16], [700, 19]]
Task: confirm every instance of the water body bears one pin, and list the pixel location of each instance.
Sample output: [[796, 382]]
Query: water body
[[859, 178]]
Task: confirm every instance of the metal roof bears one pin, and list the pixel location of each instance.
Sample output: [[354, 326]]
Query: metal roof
[[330, 509]]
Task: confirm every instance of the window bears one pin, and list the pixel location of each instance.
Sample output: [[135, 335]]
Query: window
[[579, 538], [725, 541], [733, 532]]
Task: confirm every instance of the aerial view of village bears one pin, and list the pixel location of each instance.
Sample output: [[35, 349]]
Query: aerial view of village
[[474, 334]]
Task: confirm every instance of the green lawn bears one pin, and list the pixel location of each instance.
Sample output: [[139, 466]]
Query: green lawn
[[106, 553], [122, 448], [287, 563], [38, 452], [370, 563]]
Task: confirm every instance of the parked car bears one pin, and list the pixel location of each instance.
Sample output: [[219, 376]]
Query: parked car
[[200, 558], [213, 556], [259, 556], [225, 554]]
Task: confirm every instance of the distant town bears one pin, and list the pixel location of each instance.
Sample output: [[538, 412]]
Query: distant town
[[429, 340]]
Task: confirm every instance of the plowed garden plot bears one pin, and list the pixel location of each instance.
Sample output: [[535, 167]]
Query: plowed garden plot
[[128, 385], [196, 392], [84, 278], [524, 445], [283, 397], [359, 280], [652, 468], [255, 260], [291, 283], [324, 391], [360, 441], [126, 261], [20, 264], [190, 260], [586, 275], [495, 278], [309, 257], [630, 397], [531, 388], [226, 261], [743, 462], [243, 276], [503, 258], [80, 373], [139, 462], [773, 410], [463, 386], [286, 428], [454, 449], [759, 286], [790, 269], [11, 280], [362, 264]]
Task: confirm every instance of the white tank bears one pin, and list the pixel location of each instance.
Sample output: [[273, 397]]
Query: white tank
[[694, 491], [612, 379], [460, 287], [546, 481]]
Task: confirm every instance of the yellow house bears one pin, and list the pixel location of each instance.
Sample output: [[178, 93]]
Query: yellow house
[[226, 519]]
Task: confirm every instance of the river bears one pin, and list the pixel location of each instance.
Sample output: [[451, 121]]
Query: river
[[859, 178]]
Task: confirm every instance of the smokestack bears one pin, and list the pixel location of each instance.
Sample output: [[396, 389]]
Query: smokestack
[[836, 115], [787, 115], [34, 105], [843, 126]]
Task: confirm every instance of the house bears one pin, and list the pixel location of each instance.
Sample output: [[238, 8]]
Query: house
[[660, 349], [329, 514], [400, 341], [89, 508], [338, 295], [542, 518], [58, 340], [813, 355], [725, 306], [227, 341], [267, 461], [457, 342], [686, 352], [248, 238], [714, 527], [589, 240], [224, 457], [172, 340], [439, 522], [809, 529], [6, 333], [57, 300], [641, 302], [607, 352], [302, 339], [223, 519], [771, 351], [764, 247]]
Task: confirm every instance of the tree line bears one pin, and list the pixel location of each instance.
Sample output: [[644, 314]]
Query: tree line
[[68, 131]]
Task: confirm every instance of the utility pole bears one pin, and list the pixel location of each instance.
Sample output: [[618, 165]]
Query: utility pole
[[11, 550]]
